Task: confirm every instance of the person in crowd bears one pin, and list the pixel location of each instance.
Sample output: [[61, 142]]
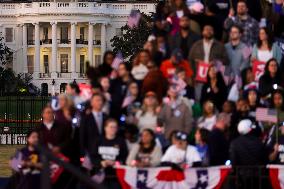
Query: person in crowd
[[207, 49], [252, 96], [174, 114], [147, 116], [91, 126], [208, 120], [27, 163], [73, 90], [156, 56], [109, 151], [277, 102], [163, 46], [189, 89], [146, 153], [161, 25], [276, 148], [131, 135], [238, 52], [245, 21], [140, 63], [247, 150], [218, 144], [105, 83], [201, 144], [66, 110], [270, 79], [214, 89], [181, 153], [168, 67], [247, 77], [266, 48], [118, 90], [185, 38], [105, 68]]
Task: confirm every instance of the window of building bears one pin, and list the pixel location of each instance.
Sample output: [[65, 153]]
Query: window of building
[[118, 32], [64, 34], [30, 36], [30, 59], [82, 64], [97, 59], [9, 37], [44, 89], [63, 87], [45, 33], [82, 33], [45, 63], [64, 63]]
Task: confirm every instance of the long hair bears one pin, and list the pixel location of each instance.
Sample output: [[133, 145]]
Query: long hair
[[153, 142], [278, 91], [270, 38], [106, 54], [144, 107], [266, 71]]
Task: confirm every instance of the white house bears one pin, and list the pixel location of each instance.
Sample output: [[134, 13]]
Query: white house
[[53, 40]]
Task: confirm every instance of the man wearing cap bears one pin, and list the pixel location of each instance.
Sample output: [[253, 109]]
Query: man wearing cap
[[168, 67], [181, 153]]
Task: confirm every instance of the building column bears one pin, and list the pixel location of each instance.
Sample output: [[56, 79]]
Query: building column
[[73, 50], [91, 43], [25, 49], [103, 39], [54, 50], [37, 51]]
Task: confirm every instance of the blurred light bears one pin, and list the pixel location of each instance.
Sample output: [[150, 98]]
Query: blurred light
[[228, 162], [74, 120], [275, 86], [79, 106], [122, 118]]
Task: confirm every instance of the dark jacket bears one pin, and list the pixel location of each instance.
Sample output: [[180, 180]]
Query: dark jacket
[[247, 150], [89, 133], [105, 69], [218, 147], [266, 84]]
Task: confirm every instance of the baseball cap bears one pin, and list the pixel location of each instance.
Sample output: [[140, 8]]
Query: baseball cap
[[245, 126], [181, 136]]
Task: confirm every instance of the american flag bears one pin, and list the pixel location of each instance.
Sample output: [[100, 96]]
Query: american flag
[[117, 60], [266, 115], [133, 19]]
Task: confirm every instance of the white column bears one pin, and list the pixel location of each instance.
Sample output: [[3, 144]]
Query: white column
[[54, 50], [103, 39], [25, 49], [73, 50], [91, 43], [37, 51]]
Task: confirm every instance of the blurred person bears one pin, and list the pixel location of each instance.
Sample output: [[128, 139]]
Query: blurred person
[[247, 77], [140, 63], [245, 21], [156, 56], [73, 90], [174, 114], [277, 102], [27, 163], [266, 48], [109, 151], [189, 89], [92, 124], [147, 116], [214, 89], [146, 153], [105, 83], [208, 120], [131, 135], [161, 25], [239, 59], [201, 144], [276, 148], [168, 67], [181, 153], [270, 78], [218, 144], [105, 68], [163, 46], [118, 90], [253, 98], [185, 38]]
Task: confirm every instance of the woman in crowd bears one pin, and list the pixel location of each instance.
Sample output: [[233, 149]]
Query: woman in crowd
[[208, 120], [252, 96], [214, 89], [147, 153], [105, 83], [105, 68], [277, 102], [272, 78], [108, 151], [201, 144], [156, 56], [147, 116], [265, 49], [247, 77], [140, 63]]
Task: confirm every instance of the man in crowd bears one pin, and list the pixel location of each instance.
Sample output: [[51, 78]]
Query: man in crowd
[[185, 38], [237, 51], [245, 21]]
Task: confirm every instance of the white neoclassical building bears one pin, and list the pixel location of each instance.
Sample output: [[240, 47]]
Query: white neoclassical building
[[53, 40]]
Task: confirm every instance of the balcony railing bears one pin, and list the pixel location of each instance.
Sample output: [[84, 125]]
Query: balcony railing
[[31, 42], [81, 41], [64, 41], [82, 75], [44, 75], [64, 75], [46, 41]]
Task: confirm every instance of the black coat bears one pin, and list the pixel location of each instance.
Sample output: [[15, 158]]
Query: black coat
[[89, 132], [266, 84], [247, 150]]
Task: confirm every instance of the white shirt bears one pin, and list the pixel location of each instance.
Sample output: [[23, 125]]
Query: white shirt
[[179, 13], [207, 123], [99, 120], [139, 71], [176, 155], [264, 56], [48, 125], [207, 47], [146, 121]]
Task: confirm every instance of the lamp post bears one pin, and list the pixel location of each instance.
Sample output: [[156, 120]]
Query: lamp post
[[53, 87]]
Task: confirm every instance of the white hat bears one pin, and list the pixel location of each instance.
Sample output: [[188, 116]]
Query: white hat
[[197, 7], [245, 126]]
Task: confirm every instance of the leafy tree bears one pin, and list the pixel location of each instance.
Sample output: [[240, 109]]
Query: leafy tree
[[133, 39], [5, 52]]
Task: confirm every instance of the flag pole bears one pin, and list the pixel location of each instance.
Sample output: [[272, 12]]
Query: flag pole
[[277, 127]]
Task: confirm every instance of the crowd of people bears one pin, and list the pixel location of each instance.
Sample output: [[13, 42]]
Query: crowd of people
[[154, 112]]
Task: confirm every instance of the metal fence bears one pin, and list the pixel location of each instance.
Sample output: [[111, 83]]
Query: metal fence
[[18, 115]]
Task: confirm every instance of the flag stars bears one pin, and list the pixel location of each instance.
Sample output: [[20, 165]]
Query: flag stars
[[203, 178], [141, 177]]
